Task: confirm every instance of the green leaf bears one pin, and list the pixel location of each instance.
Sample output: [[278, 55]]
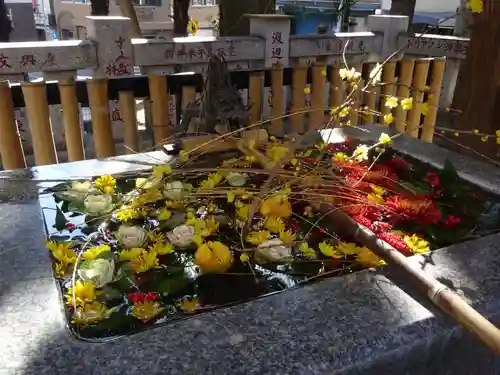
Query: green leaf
[[161, 282], [111, 293], [448, 174], [76, 206], [105, 255], [85, 264], [61, 221]]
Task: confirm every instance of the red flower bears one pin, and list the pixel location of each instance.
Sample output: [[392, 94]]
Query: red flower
[[433, 179], [360, 219], [70, 226], [396, 241], [142, 297], [452, 221], [417, 208]]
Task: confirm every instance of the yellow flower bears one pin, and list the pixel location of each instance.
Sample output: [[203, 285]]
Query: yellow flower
[[203, 227], [484, 138], [93, 252], [360, 153], [149, 196], [385, 139], [368, 259], [129, 255], [274, 224], [347, 248], [391, 102], [476, 6], [257, 238], [156, 236], [211, 182], [242, 210], [323, 72], [378, 190], [307, 90], [374, 198], [376, 74], [287, 237], [164, 214], [162, 170], [91, 313], [60, 269], [192, 27], [424, 108], [188, 305], [340, 156], [306, 251], [388, 119], [326, 249], [498, 141], [145, 261], [276, 206], [231, 196], [106, 184], [244, 258], [276, 153], [146, 310], [350, 75], [62, 251], [407, 104], [85, 292], [127, 213], [416, 244], [497, 133], [213, 257], [161, 248]]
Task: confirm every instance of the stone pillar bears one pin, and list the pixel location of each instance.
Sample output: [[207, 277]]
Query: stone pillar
[[275, 30], [391, 27], [112, 36]]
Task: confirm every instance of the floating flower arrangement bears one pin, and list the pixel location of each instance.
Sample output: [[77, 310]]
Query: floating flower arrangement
[[132, 252]]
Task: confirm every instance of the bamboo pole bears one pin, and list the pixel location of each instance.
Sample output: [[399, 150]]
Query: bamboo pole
[[276, 126], [419, 81], [444, 298], [71, 119], [11, 147], [403, 92], [97, 90], [37, 108], [158, 93], [299, 82], [317, 116], [129, 114], [189, 97], [437, 75], [255, 97]]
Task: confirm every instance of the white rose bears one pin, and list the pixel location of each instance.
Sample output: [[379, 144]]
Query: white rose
[[236, 179], [99, 271], [273, 251], [148, 183], [98, 204], [131, 236], [174, 190], [181, 236], [78, 190]]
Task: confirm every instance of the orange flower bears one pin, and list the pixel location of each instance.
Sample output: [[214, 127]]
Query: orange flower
[[420, 209]]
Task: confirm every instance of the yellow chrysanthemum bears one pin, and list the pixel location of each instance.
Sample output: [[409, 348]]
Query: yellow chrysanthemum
[[211, 182], [127, 213], [145, 261], [146, 310], [326, 249], [188, 305], [162, 248], [203, 227], [106, 184], [213, 257], [93, 252], [306, 251], [62, 251], [91, 313], [287, 237], [257, 238], [274, 224], [416, 244], [368, 259], [242, 210], [276, 206], [85, 292], [129, 255]]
